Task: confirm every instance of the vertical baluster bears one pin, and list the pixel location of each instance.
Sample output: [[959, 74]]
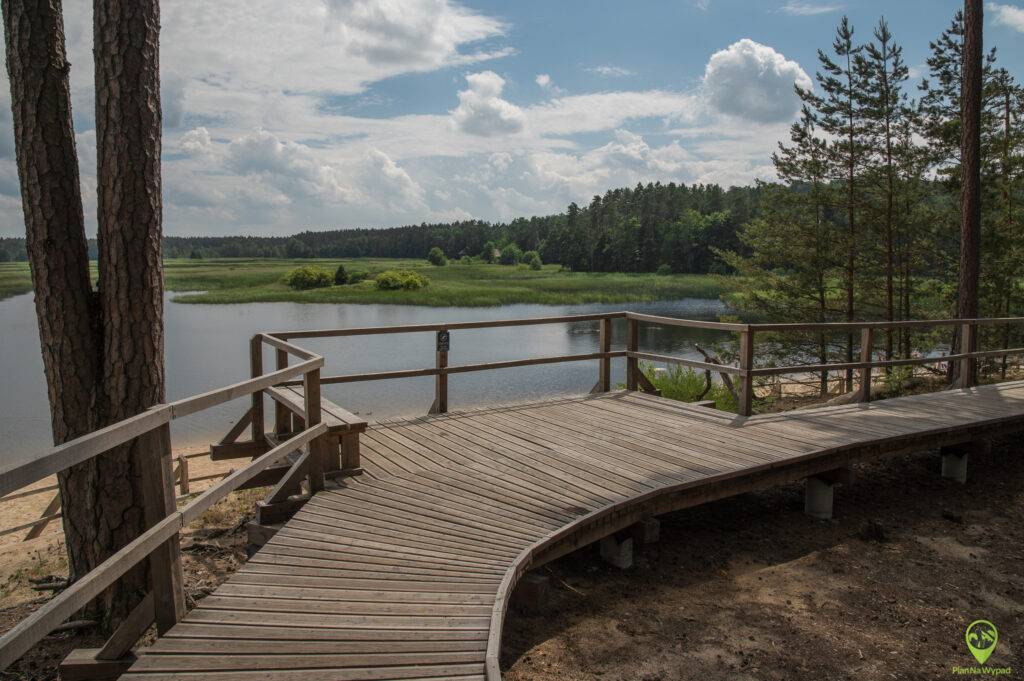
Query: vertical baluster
[[632, 345], [604, 377], [746, 365], [256, 366], [867, 340], [319, 449], [968, 341], [282, 416], [440, 405]]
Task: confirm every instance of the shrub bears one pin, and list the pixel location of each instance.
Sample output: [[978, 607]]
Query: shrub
[[487, 255], [196, 254], [356, 277], [466, 260], [532, 258], [664, 269], [511, 255], [307, 277], [395, 280], [436, 257], [341, 276]]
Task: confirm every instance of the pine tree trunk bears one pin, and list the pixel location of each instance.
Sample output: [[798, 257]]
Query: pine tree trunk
[[128, 140], [102, 352], [970, 159]]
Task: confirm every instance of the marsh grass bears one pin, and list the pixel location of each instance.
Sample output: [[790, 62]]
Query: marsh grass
[[243, 280], [457, 284]]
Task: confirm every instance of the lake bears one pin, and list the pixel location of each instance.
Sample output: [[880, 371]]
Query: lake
[[208, 346]]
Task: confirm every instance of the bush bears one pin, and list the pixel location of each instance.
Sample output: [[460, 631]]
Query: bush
[[436, 257], [341, 276], [307, 277], [356, 277], [532, 258], [511, 255], [466, 260], [687, 385], [664, 269], [396, 280], [487, 255]]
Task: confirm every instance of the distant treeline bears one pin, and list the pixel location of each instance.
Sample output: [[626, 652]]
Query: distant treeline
[[668, 226]]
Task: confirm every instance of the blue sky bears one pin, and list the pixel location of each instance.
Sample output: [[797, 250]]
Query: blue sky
[[316, 114]]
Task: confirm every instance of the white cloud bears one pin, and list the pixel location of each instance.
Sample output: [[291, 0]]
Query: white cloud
[[702, 5], [482, 111], [1007, 15], [753, 81], [609, 71], [196, 142], [292, 168], [384, 180], [809, 8], [608, 110], [548, 85]]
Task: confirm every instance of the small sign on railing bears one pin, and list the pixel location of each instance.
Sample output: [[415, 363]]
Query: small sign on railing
[[443, 341]]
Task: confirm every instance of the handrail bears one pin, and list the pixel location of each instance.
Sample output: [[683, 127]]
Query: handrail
[[17, 641], [153, 423]]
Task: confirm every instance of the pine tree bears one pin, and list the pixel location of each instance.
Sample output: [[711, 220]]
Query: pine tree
[[838, 113]]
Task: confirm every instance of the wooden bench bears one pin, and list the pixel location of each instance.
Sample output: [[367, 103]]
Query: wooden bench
[[342, 425]]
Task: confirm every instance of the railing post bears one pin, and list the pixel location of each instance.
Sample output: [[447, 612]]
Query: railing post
[[604, 376], [282, 417], [256, 367], [159, 501], [632, 345], [745, 407], [867, 341], [319, 448], [440, 405], [967, 344]]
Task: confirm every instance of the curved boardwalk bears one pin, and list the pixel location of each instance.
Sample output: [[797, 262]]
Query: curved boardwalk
[[405, 572]]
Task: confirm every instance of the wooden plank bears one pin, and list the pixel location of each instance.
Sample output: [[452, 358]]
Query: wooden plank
[[336, 418], [238, 428]]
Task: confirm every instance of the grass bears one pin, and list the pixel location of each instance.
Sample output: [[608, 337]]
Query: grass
[[221, 281], [14, 279], [685, 384], [476, 285]]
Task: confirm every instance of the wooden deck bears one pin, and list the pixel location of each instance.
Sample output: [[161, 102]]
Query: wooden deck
[[405, 572]]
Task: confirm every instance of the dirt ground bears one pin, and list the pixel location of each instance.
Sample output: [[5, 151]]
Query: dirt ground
[[750, 588], [745, 588]]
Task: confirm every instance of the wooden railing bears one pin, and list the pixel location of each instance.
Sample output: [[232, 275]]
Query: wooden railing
[[160, 542], [165, 602]]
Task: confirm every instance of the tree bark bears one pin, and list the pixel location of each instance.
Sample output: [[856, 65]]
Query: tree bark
[[970, 159], [102, 351]]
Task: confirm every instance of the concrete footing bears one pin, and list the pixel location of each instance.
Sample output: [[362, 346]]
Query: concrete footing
[[954, 462], [618, 552], [819, 494]]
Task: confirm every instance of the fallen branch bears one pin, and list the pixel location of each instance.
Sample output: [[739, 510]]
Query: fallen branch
[[726, 378]]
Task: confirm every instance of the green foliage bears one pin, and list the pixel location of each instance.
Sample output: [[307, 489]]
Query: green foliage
[[466, 260], [293, 248], [681, 383], [511, 254], [356, 277], [436, 257], [307, 277], [396, 280], [664, 269], [341, 276], [489, 253], [196, 254], [532, 258]]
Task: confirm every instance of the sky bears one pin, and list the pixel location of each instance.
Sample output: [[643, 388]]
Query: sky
[[323, 114]]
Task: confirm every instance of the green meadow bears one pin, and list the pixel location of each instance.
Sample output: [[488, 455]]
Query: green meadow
[[222, 281]]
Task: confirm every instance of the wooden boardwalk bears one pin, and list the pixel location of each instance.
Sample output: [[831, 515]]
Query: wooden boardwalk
[[405, 572]]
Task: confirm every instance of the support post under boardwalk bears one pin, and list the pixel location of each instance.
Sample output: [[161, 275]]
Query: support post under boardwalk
[[819, 496], [256, 367], [954, 461], [745, 406], [866, 342]]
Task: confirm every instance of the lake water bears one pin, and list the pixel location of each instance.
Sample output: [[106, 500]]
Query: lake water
[[207, 347]]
